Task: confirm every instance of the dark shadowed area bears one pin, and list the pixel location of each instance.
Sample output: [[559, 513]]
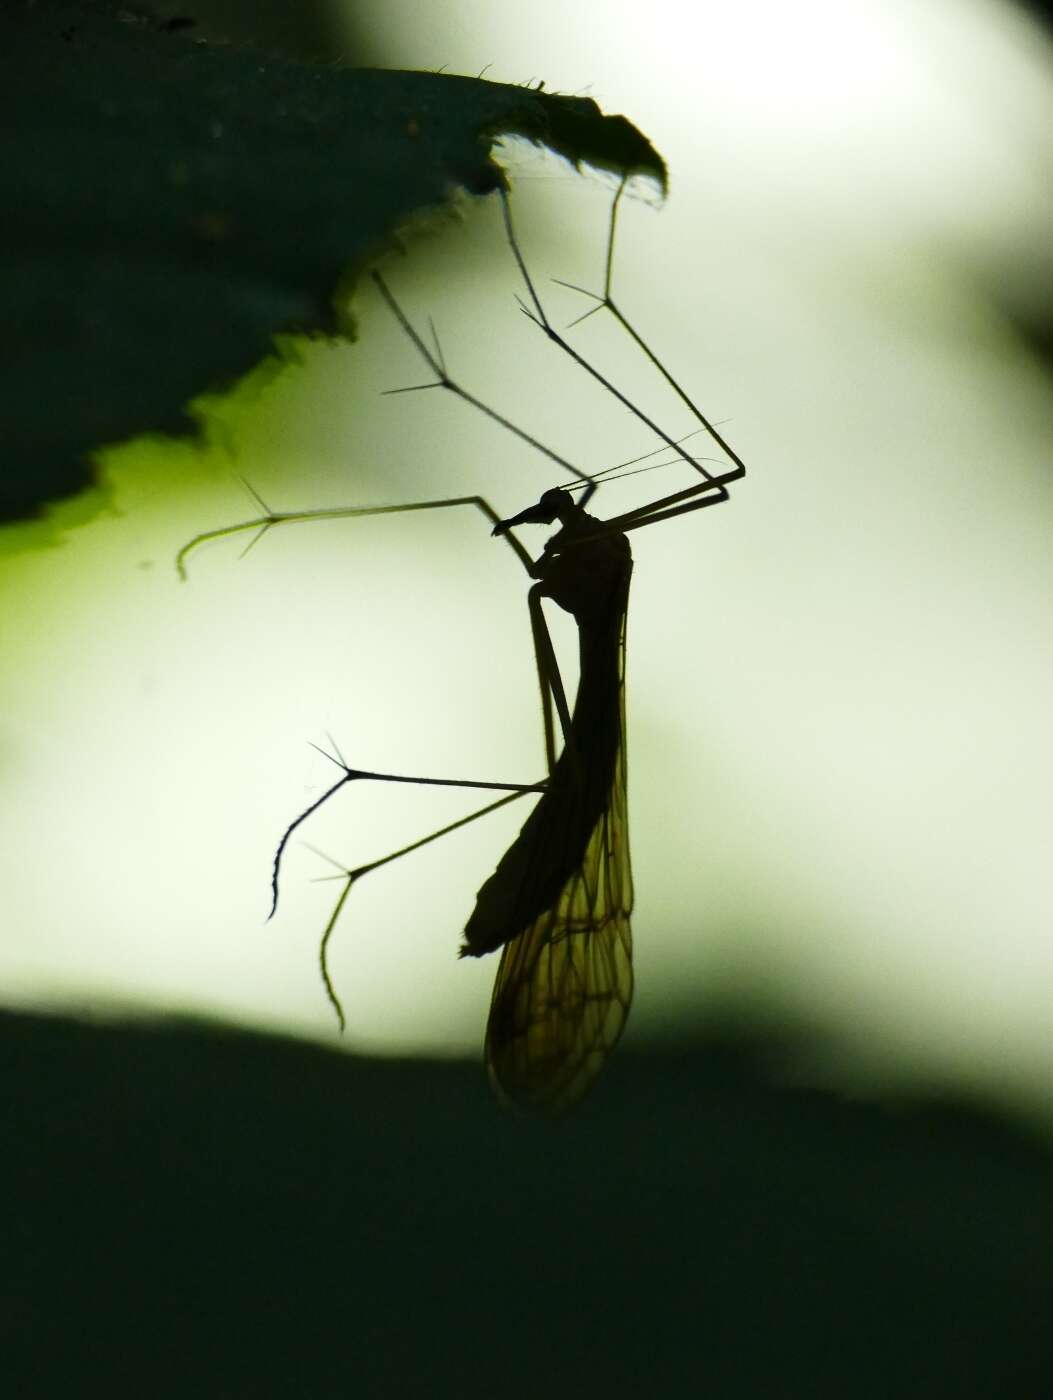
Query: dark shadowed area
[[224, 1214]]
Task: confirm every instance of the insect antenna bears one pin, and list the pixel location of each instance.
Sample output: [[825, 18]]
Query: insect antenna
[[617, 472]]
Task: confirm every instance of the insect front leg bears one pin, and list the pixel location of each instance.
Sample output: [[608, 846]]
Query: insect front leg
[[550, 682]]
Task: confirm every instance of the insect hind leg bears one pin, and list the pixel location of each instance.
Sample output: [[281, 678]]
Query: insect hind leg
[[351, 877]]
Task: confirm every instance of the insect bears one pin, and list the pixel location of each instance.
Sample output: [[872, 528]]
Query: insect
[[558, 905]]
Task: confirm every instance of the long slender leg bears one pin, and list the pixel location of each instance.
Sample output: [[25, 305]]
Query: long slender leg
[[260, 525], [443, 381], [272, 519], [550, 684], [549, 681], [552, 691], [605, 301], [352, 775], [675, 503], [537, 314], [352, 876]]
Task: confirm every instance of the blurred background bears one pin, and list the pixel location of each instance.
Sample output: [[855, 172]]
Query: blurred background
[[839, 683]]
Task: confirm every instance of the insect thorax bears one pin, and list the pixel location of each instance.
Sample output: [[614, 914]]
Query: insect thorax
[[584, 569]]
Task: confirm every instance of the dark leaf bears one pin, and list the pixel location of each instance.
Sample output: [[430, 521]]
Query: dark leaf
[[170, 205]]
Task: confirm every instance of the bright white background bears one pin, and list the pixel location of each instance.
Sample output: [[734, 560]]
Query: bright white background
[[840, 683]]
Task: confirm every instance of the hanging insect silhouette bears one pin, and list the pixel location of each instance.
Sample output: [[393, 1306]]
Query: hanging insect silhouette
[[558, 905]]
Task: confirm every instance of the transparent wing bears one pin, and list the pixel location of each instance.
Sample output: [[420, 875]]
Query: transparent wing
[[562, 993]]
